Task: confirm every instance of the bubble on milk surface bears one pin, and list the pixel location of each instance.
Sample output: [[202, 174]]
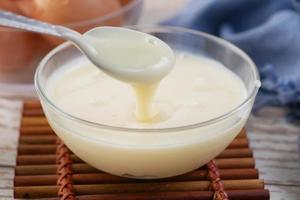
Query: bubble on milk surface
[[151, 40]]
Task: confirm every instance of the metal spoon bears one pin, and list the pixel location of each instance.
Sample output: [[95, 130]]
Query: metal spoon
[[86, 43]]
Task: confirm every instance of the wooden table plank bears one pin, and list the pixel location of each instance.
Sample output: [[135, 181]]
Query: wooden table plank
[[274, 142]]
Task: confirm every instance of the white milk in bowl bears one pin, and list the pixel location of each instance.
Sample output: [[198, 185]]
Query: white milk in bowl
[[104, 129]]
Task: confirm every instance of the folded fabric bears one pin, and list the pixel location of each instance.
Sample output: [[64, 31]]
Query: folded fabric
[[268, 30]]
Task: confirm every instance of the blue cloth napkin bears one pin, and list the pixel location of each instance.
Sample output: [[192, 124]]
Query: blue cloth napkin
[[268, 30]]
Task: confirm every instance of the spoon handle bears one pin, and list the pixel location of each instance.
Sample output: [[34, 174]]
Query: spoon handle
[[12, 20]]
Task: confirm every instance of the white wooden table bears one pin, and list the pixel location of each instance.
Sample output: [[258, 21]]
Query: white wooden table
[[273, 139]]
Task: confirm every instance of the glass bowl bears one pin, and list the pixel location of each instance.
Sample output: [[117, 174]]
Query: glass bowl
[[152, 153], [21, 52]]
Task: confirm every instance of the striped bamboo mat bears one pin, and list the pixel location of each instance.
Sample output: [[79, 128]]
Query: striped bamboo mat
[[45, 168]]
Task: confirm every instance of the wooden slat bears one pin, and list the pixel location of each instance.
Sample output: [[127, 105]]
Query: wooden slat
[[123, 188], [100, 177], [31, 104], [38, 139], [36, 130], [34, 121]]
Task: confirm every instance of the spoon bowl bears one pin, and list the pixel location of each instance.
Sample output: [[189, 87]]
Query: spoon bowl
[[129, 55]]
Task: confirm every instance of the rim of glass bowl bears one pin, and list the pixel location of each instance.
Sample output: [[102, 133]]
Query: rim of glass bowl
[[251, 95], [106, 17]]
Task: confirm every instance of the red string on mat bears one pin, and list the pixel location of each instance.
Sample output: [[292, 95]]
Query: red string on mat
[[64, 171], [216, 182]]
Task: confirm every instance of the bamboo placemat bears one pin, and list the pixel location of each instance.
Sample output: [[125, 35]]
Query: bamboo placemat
[[46, 168]]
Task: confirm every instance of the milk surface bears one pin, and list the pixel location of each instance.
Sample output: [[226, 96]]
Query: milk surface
[[196, 90]]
